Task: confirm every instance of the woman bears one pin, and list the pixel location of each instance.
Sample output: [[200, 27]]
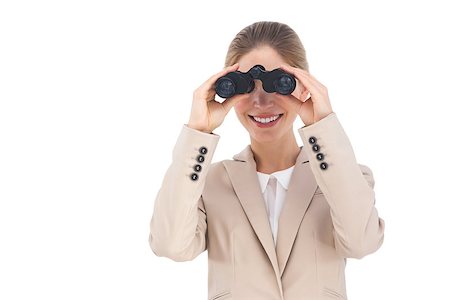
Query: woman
[[278, 220]]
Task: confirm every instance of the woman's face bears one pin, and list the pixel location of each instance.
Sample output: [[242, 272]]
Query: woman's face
[[261, 104]]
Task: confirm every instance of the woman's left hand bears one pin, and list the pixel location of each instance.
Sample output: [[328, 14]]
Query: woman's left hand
[[316, 107]]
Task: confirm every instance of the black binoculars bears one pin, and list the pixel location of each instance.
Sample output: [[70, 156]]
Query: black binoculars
[[238, 82]]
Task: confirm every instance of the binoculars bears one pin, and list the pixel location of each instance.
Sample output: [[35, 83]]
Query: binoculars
[[238, 82]]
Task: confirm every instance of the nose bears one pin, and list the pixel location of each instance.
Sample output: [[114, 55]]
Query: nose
[[260, 98]]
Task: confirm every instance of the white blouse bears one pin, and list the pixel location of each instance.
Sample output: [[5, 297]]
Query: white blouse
[[273, 208]]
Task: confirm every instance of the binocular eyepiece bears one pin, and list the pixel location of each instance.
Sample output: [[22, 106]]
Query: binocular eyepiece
[[237, 82]]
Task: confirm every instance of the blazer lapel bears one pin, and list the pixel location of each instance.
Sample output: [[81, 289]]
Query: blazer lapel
[[302, 186], [242, 173]]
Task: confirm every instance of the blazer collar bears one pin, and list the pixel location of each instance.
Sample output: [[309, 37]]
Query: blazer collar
[[242, 173]]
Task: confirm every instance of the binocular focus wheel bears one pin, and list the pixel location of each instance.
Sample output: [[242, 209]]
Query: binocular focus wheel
[[251, 86]]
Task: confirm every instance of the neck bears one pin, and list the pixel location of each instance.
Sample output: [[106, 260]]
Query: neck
[[275, 155]]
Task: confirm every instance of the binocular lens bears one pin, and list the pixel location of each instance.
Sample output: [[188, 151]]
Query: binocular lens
[[240, 83], [284, 85], [225, 88]]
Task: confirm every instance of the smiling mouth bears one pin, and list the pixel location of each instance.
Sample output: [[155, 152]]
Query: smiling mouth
[[265, 120]]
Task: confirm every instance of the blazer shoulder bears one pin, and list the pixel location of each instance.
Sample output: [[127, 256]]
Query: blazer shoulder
[[217, 167], [216, 179]]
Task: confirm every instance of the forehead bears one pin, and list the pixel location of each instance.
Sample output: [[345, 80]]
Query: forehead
[[265, 56]]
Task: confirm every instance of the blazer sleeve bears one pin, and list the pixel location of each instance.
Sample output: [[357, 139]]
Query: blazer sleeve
[[347, 187], [178, 225]]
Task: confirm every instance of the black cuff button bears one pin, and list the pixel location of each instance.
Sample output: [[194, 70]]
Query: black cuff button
[[200, 158], [323, 165], [194, 176], [319, 156], [315, 147], [197, 168], [203, 150], [312, 140]]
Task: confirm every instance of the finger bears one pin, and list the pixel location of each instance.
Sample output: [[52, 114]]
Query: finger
[[305, 78], [207, 88], [307, 97], [225, 70], [302, 74], [230, 102], [310, 75], [297, 104], [301, 92]]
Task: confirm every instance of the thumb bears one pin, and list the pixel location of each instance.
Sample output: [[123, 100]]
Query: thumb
[[230, 102]]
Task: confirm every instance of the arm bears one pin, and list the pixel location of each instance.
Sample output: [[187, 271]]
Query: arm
[[178, 225], [347, 186]]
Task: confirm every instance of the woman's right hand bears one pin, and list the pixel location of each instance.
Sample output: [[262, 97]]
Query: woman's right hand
[[206, 113]]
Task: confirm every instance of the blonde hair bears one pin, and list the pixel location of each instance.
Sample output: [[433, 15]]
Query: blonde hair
[[278, 36]]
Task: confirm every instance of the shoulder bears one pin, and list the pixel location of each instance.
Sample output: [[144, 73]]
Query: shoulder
[[217, 181], [217, 167]]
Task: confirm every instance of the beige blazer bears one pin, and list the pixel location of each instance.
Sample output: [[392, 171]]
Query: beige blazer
[[328, 216]]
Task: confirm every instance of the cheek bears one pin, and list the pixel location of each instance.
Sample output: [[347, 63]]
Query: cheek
[[289, 105], [240, 107]]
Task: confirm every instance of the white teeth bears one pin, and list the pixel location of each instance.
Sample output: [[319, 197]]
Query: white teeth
[[266, 120]]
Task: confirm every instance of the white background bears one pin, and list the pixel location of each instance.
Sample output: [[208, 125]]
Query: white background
[[94, 94]]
